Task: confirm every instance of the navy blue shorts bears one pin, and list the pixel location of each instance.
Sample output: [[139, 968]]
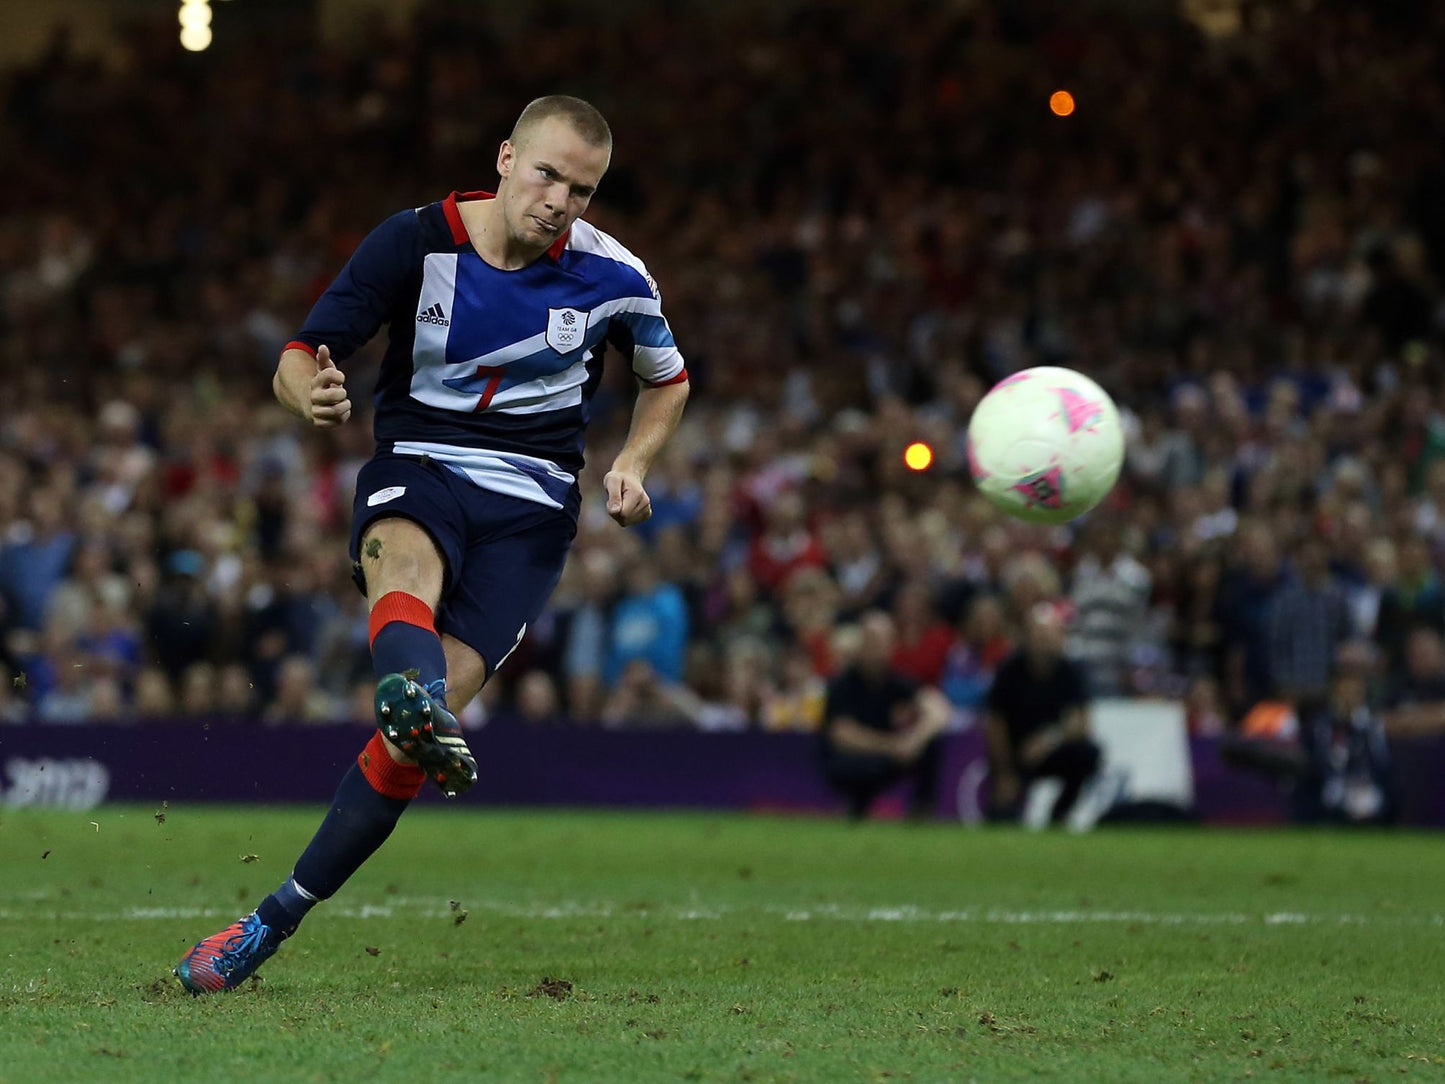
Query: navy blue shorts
[[504, 555]]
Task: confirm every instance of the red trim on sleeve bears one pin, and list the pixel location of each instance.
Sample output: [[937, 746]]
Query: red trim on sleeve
[[400, 606], [678, 379], [297, 344], [386, 776]]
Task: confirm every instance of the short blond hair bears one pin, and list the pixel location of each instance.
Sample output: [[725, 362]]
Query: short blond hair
[[584, 117]]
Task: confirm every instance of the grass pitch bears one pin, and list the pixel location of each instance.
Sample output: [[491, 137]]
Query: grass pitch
[[614, 948]]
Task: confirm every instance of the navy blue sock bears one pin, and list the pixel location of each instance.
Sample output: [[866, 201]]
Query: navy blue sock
[[359, 821], [376, 791], [403, 637]]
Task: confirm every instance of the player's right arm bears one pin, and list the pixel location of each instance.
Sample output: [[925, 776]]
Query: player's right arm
[[352, 310], [313, 389]]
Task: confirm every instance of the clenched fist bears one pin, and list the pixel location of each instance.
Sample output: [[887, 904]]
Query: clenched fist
[[330, 404]]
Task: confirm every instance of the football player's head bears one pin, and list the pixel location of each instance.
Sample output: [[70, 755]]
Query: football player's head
[[550, 167]]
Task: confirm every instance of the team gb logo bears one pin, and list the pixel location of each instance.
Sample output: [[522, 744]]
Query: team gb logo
[[566, 329]]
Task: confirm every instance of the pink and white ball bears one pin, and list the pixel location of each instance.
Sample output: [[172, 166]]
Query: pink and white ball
[[1045, 445]]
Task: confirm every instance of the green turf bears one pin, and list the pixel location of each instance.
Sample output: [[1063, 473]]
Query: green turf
[[725, 948]]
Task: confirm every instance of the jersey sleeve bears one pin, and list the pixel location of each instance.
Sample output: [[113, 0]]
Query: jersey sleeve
[[367, 291], [640, 331]]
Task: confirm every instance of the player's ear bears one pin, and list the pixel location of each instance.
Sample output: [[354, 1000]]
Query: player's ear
[[506, 155]]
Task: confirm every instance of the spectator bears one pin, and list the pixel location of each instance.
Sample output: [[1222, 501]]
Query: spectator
[[719, 694], [856, 561], [741, 612], [1417, 597], [648, 623], [801, 695], [1348, 776], [183, 621], [361, 702], [1029, 579], [1417, 700], [90, 583], [537, 698], [153, 698], [785, 545], [298, 699], [1111, 600], [923, 641], [1204, 713], [810, 615], [67, 700], [198, 690], [1184, 462], [235, 694], [1195, 634], [106, 702], [13, 708], [1037, 720], [111, 640], [640, 698], [1246, 592], [974, 658], [880, 727], [1367, 597], [34, 557], [1307, 622], [585, 647]]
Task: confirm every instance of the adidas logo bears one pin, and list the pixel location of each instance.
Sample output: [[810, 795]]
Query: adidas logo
[[434, 315]]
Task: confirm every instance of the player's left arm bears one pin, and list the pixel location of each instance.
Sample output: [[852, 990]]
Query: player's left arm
[[654, 417], [641, 331]]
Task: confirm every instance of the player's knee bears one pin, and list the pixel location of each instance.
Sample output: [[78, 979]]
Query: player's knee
[[397, 555]]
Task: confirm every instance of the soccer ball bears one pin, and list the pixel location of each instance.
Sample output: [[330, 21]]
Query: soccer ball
[[1045, 444]]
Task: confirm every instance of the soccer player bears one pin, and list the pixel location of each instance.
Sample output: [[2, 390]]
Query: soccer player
[[500, 310]]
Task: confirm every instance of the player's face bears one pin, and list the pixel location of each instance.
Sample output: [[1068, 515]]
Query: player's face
[[548, 178]]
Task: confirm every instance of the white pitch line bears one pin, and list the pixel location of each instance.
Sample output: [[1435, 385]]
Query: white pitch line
[[416, 908]]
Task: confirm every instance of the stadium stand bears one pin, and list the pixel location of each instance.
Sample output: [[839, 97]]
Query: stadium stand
[[859, 221]]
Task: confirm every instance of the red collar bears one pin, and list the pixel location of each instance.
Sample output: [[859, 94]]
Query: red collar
[[459, 229]]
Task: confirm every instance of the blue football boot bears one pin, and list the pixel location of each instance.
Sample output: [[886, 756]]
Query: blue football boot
[[226, 959]]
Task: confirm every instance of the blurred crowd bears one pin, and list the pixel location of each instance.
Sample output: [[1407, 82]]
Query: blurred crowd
[[860, 217]]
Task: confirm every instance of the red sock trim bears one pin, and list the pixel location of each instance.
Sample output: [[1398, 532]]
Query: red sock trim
[[386, 776], [399, 606]]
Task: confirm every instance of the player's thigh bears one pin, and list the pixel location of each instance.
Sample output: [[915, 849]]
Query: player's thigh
[[399, 555], [408, 530], [505, 584]]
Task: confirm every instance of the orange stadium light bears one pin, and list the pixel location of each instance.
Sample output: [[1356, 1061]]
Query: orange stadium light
[[918, 456], [1061, 102]]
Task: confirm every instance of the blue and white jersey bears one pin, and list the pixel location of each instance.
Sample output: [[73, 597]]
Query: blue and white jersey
[[492, 372]]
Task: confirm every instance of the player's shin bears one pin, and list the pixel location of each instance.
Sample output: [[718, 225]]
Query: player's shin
[[404, 639], [370, 800]]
